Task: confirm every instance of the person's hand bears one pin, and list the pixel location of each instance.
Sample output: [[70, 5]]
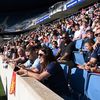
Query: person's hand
[[21, 71], [87, 66], [80, 66], [94, 46], [94, 69], [84, 36]]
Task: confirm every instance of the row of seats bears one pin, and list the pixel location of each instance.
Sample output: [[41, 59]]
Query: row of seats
[[84, 83]]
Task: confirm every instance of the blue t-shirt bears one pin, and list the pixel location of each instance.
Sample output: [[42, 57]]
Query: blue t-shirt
[[28, 63], [57, 81], [36, 64], [96, 54], [55, 51]]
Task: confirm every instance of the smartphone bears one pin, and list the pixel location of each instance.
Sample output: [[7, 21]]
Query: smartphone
[[16, 68]]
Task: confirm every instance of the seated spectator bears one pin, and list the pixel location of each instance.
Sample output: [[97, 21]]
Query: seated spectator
[[89, 47], [89, 34], [89, 50], [84, 27], [96, 23], [56, 50], [78, 33], [94, 61]]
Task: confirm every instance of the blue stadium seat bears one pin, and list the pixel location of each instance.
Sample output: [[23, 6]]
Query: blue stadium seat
[[65, 69], [93, 86], [78, 80], [78, 44], [79, 58]]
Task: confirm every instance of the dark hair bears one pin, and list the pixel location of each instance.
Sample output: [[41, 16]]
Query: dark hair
[[49, 54], [90, 41], [30, 48], [55, 42], [89, 31], [76, 25]]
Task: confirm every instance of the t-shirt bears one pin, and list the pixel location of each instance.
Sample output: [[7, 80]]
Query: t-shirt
[[63, 48], [55, 51], [28, 63], [87, 55], [96, 54], [36, 64], [71, 47], [57, 81], [77, 34]]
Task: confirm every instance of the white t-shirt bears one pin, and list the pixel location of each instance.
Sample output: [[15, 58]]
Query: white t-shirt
[[77, 34]]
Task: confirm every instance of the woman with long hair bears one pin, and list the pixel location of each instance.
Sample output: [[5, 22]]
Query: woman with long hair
[[50, 71]]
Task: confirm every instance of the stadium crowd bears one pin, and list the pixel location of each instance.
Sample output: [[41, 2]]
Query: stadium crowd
[[41, 52]]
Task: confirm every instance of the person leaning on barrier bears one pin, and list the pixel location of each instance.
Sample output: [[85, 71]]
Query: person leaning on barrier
[[51, 73], [21, 56], [31, 56]]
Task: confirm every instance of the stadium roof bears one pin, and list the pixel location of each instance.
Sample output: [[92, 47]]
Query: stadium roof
[[18, 10], [25, 5]]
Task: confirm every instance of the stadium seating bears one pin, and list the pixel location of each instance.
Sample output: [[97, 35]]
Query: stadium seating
[[93, 87], [79, 58], [78, 80], [78, 44], [65, 69]]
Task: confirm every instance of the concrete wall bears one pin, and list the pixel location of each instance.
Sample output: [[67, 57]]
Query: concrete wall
[[26, 88]]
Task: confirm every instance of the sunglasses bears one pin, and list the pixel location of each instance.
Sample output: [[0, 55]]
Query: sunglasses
[[97, 35], [40, 55]]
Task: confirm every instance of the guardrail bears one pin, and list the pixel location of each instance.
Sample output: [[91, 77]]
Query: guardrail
[[26, 88]]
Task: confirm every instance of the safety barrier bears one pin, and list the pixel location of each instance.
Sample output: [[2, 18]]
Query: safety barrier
[[26, 88]]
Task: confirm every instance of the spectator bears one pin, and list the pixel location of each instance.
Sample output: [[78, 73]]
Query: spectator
[[56, 50], [77, 34], [89, 50], [21, 57], [64, 43], [51, 71], [31, 52], [95, 57]]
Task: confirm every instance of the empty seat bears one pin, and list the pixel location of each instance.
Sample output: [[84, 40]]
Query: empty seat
[[78, 44], [79, 58], [93, 86]]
